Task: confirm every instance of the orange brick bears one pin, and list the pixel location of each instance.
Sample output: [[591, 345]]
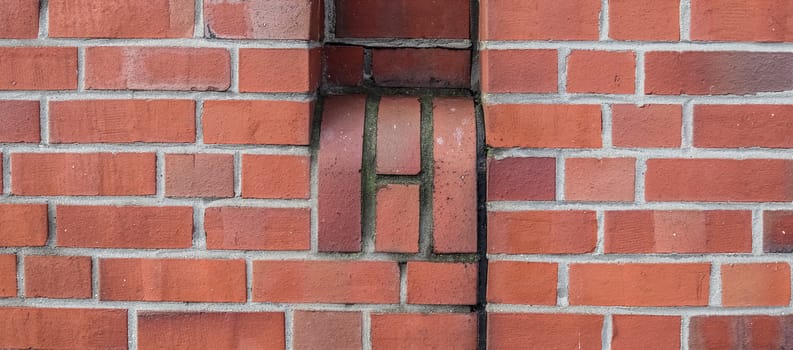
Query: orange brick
[[243, 122], [211, 330], [608, 179], [424, 331], [275, 176], [65, 277], [541, 232], [646, 126], [544, 331], [397, 219], [49, 328], [606, 72], [38, 68], [23, 225], [539, 20], [199, 175], [314, 330], [513, 282], [441, 283], [648, 20], [258, 228], [543, 126], [755, 284], [637, 331], [263, 19], [279, 70], [519, 71], [20, 120], [8, 276], [739, 126]]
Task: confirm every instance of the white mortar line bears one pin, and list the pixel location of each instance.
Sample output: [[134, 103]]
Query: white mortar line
[[366, 329], [638, 46], [757, 232], [685, 20], [67, 95], [289, 328], [563, 282], [640, 76], [606, 129], [607, 333], [601, 232], [560, 173], [198, 30], [604, 20], [391, 43], [714, 297], [685, 323], [165, 42], [44, 20]]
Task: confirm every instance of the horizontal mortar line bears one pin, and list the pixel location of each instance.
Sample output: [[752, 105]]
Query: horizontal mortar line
[[647, 153], [155, 306], [637, 310], [154, 201], [256, 255], [186, 43], [403, 43], [62, 95], [785, 97], [613, 206], [155, 147], [638, 46], [693, 258]]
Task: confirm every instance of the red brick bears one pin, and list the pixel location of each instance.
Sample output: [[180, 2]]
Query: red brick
[[157, 68], [424, 331], [347, 282], [20, 120], [83, 174], [539, 20], [124, 227], [647, 20], [723, 126], [740, 332], [397, 219], [543, 331], [38, 68], [519, 71], [258, 228], [8, 276], [339, 156], [736, 20], [778, 231], [263, 19], [639, 284], [65, 277], [184, 280], [430, 68], [541, 232], [399, 136], [543, 126], [717, 73], [122, 121], [211, 330], [606, 72], [441, 283], [445, 19], [514, 282], [19, 19], [454, 190], [199, 175], [23, 225], [275, 176], [121, 19], [638, 331], [709, 180], [344, 65], [656, 126], [279, 70], [755, 284], [327, 330], [607, 179], [521, 179], [257, 122], [679, 231], [48, 328]]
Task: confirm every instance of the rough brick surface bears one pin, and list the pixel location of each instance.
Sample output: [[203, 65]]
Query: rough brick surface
[[19, 19], [735, 20], [644, 20], [279, 70], [605, 72], [257, 122], [127, 19], [430, 68], [748, 332], [521, 179], [65, 328], [539, 20], [444, 19], [212, 330], [526, 71], [399, 136], [441, 283], [545, 331], [424, 331], [316, 330], [543, 126], [275, 176], [64, 277], [263, 19], [38, 68], [755, 284], [199, 175], [512, 282], [236, 228], [8, 275], [20, 120], [23, 225], [397, 219], [541, 232]]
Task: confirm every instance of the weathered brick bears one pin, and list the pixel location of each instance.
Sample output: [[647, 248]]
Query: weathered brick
[[778, 231], [316, 330], [539, 20], [519, 71], [521, 179], [258, 228], [263, 19], [257, 122], [64, 277], [121, 19], [8, 276], [20, 121], [397, 219], [399, 136], [19, 19], [424, 331], [543, 331], [606, 72], [344, 65], [38, 68], [736, 20], [541, 232], [211, 330], [543, 126], [441, 283], [23, 225], [275, 176], [279, 70], [746, 285], [444, 19], [430, 68], [607, 179], [199, 175], [50, 328], [517, 282]]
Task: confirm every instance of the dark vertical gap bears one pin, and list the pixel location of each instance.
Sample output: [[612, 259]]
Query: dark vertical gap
[[369, 174], [427, 173]]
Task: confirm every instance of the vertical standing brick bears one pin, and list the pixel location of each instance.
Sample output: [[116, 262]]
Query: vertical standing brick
[[637, 331], [517, 282], [344, 65], [539, 20], [543, 331], [83, 174], [454, 192], [340, 156], [424, 331], [430, 68], [157, 68], [258, 228], [521, 179], [48, 328], [778, 231], [519, 71], [65, 277], [20, 121], [279, 70], [397, 219], [121, 19], [541, 232], [447, 19], [399, 136], [441, 283], [316, 330], [199, 175], [122, 121], [735, 20], [211, 330], [263, 19], [740, 332], [38, 68], [734, 126], [8, 275], [646, 126], [19, 19], [257, 122], [606, 72], [755, 284], [648, 20], [543, 126], [23, 225], [275, 176], [608, 179]]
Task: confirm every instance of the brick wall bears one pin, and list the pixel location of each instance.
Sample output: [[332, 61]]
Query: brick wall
[[381, 174]]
